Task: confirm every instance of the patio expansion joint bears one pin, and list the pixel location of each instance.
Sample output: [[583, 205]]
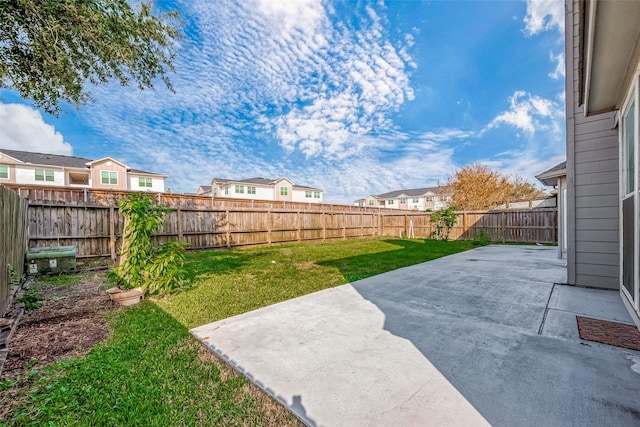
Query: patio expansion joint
[[546, 310]]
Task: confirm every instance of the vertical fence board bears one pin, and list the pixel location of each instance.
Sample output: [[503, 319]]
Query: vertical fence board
[[14, 228]]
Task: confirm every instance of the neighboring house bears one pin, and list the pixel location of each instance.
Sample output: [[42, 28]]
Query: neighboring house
[[27, 168], [419, 199], [557, 177], [281, 189], [602, 44]]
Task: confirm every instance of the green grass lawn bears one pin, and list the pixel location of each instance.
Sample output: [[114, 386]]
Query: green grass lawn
[[152, 372]]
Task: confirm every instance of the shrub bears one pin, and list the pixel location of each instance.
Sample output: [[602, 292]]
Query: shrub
[[482, 238], [156, 269], [444, 220]]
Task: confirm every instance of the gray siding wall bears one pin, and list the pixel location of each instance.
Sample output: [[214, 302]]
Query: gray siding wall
[[592, 178]]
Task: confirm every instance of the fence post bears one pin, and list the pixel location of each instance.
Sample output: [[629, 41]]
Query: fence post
[[228, 233], [406, 229], [112, 232], [464, 223], [324, 226], [503, 226], [344, 225], [179, 219], [298, 231]]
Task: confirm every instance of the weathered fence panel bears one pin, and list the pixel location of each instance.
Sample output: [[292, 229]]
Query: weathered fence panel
[[13, 235], [97, 230]]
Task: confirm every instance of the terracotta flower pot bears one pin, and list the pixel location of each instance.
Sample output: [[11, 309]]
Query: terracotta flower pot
[[126, 297]]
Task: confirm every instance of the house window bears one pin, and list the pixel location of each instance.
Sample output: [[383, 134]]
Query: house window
[[390, 202], [628, 133], [284, 191], [4, 172], [429, 198], [145, 182], [109, 177], [239, 189], [226, 190], [251, 190], [403, 201], [416, 200], [44, 175], [361, 203], [308, 194], [370, 202], [316, 194]]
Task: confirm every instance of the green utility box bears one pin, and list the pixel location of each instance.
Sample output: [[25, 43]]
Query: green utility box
[[51, 260]]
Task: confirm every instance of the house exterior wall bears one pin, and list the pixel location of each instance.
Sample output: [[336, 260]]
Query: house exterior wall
[[27, 175], [157, 184], [592, 177], [98, 167], [11, 169], [266, 192], [283, 183], [416, 205], [300, 195], [562, 217]]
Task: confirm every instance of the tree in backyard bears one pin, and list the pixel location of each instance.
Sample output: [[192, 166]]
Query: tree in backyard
[[50, 50], [478, 187]]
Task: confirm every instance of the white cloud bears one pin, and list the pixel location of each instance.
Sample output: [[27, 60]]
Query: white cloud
[[559, 70], [543, 15], [266, 88], [24, 129], [529, 113]]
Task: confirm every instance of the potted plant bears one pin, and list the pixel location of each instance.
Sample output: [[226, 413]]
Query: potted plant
[[144, 267]]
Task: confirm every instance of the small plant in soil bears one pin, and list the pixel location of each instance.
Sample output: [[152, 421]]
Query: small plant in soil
[[31, 298]]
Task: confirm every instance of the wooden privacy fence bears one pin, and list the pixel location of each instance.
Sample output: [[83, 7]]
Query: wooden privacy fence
[[519, 226], [97, 230], [13, 243]]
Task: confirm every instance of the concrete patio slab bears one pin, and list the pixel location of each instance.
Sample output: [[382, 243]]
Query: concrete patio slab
[[567, 302], [462, 340]]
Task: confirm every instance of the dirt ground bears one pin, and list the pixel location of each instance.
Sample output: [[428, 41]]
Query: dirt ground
[[70, 321]]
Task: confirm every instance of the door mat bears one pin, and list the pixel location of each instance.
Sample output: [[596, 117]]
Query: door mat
[[611, 333]]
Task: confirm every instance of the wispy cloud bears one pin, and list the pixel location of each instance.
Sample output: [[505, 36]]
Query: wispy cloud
[[24, 129], [529, 113], [265, 87], [558, 72], [543, 15]]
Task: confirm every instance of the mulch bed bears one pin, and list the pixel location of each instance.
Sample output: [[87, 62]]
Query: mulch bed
[[611, 333], [70, 322]]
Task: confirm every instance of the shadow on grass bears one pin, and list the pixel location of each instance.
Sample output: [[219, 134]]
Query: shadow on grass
[[223, 261], [408, 252]]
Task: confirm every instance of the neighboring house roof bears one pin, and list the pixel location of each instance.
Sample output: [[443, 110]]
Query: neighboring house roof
[[416, 192], [550, 176], [204, 189], [62, 161], [259, 181], [47, 159]]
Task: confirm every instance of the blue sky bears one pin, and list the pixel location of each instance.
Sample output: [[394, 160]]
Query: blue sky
[[354, 97]]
